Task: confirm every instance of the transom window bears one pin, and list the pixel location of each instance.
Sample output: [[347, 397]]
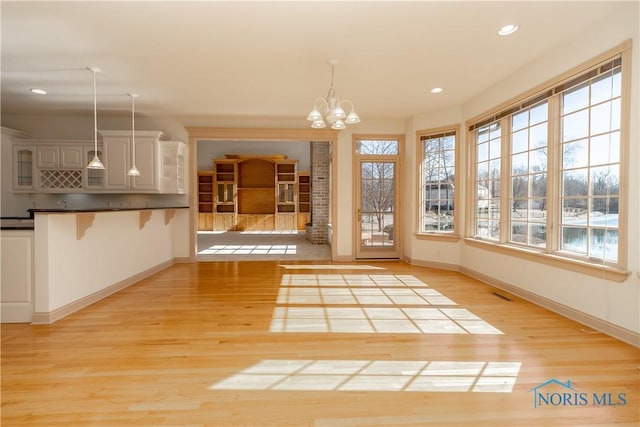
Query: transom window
[[563, 180]]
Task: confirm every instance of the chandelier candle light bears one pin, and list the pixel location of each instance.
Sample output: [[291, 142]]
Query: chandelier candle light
[[330, 109], [95, 163], [134, 170]]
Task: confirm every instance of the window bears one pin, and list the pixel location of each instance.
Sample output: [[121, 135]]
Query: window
[[564, 195], [590, 168], [528, 177], [437, 182], [488, 173]]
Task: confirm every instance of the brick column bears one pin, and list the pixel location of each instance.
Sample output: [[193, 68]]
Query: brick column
[[318, 232]]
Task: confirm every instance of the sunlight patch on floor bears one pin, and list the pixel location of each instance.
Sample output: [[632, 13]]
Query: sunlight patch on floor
[[375, 375], [329, 267], [249, 250], [369, 303]]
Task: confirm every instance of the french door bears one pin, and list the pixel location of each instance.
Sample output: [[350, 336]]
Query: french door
[[377, 225]]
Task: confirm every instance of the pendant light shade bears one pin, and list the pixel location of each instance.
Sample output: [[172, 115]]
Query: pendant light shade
[[134, 170], [95, 163]]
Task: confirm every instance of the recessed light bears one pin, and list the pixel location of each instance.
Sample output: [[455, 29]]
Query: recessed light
[[508, 29], [436, 90], [38, 91]]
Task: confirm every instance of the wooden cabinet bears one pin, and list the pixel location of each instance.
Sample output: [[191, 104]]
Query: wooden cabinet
[[205, 200], [254, 193], [160, 162], [225, 178], [304, 199], [286, 218]]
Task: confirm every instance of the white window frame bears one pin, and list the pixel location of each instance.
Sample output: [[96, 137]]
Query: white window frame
[[421, 135]]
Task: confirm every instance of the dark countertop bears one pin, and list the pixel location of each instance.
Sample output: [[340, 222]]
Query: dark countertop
[[15, 223], [26, 223], [54, 210]]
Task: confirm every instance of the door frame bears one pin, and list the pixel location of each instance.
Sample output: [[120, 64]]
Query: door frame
[[253, 134], [398, 229]]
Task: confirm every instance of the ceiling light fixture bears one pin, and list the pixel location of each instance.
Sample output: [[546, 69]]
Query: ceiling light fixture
[[95, 163], [330, 109], [38, 91], [436, 90], [134, 170], [508, 29]]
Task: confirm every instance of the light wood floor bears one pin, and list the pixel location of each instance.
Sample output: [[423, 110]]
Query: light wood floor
[[259, 343]]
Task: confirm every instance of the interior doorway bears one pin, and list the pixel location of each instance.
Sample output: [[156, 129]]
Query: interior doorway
[[250, 235]]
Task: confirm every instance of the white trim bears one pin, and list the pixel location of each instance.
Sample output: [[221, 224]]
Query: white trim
[[40, 318], [603, 326], [16, 312]]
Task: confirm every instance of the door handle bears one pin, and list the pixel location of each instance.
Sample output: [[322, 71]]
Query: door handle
[[359, 216]]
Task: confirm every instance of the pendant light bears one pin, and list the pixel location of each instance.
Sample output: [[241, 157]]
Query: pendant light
[[95, 163], [134, 170]]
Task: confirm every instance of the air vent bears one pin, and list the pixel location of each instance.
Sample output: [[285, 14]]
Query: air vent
[[502, 296]]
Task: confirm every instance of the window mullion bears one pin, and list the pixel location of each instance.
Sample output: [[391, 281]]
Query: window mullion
[[554, 205], [505, 178]]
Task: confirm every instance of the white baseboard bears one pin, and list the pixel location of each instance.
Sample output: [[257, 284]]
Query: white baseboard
[[603, 326], [432, 264], [40, 318]]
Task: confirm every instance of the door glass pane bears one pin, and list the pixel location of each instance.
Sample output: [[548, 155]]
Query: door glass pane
[[377, 203], [377, 146], [230, 196]]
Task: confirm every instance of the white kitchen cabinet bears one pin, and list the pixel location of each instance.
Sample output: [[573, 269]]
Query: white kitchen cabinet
[[59, 156], [160, 162], [16, 276], [50, 166], [47, 157], [24, 167]]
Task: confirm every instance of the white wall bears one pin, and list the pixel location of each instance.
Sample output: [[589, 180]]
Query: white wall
[[343, 237], [430, 251], [113, 250], [208, 150], [607, 301]]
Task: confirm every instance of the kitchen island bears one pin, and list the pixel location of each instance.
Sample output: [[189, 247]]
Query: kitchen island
[[81, 256]]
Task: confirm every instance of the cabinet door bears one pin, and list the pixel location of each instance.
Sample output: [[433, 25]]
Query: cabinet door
[[116, 163], [146, 160], [23, 168], [47, 157], [71, 157]]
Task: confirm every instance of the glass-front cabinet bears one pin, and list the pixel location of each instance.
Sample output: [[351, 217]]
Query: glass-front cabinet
[[24, 168]]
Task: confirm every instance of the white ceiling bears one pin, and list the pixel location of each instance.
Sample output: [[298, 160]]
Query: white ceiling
[[238, 59]]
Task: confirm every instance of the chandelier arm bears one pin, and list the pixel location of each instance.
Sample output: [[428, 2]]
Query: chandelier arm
[[323, 103], [331, 92]]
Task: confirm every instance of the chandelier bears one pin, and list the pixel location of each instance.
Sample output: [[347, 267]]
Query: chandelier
[[330, 109]]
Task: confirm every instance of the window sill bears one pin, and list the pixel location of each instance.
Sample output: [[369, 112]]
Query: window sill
[[437, 236], [596, 270]]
